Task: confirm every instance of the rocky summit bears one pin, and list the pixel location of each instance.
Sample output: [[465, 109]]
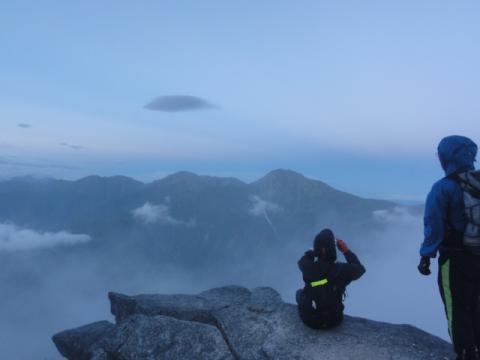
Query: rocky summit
[[236, 323]]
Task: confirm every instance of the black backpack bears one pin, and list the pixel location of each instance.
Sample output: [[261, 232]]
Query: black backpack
[[325, 293], [322, 305], [470, 183]]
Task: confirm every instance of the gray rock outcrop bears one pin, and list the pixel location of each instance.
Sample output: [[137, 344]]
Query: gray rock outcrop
[[236, 323]]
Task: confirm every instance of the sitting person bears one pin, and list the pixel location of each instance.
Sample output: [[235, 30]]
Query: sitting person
[[320, 302]]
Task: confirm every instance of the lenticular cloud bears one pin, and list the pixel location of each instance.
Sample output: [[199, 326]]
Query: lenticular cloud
[[178, 103]]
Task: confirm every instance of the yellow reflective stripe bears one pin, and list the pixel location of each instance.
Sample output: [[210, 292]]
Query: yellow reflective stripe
[[319, 283], [448, 295]]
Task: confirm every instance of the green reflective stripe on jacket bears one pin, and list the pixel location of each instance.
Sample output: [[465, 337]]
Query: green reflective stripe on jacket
[[319, 283]]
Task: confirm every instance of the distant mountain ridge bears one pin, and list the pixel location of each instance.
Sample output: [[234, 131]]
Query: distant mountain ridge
[[188, 214]]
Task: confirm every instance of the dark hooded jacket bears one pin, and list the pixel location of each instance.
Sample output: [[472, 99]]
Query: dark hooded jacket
[[341, 273], [329, 312], [444, 220]]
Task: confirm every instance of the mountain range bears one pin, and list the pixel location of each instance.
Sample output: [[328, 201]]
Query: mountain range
[[188, 214]]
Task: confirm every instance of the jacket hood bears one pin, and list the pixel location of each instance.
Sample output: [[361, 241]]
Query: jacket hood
[[324, 246], [456, 153]]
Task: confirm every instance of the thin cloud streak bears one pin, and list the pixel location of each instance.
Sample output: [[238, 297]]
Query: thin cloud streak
[[262, 207], [7, 162], [71, 146]]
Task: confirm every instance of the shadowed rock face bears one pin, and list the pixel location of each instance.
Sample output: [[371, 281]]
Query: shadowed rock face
[[144, 337], [236, 323]]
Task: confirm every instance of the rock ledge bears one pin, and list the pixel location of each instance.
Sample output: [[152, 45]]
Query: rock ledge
[[236, 323]]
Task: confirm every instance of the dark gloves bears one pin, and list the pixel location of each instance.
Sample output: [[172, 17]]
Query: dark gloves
[[424, 266], [309, 254], [342, 246]]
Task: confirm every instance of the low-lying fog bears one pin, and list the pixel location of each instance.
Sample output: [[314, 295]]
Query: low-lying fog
[[46, 291]]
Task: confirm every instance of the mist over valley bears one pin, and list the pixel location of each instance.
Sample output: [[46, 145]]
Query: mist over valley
[[64, 244]]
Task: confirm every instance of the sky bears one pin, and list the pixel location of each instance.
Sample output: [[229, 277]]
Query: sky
[[357, 94]]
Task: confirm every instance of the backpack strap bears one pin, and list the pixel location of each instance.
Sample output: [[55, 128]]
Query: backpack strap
[[471, 183], [468, 182], [324, 280], [321, 282], [334, 275]]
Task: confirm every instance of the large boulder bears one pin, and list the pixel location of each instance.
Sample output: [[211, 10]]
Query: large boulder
[[236, 323], [78, 343], [185, 307], [144, 337]]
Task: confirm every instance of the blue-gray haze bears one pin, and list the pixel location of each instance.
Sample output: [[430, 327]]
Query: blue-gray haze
[[63, 245]]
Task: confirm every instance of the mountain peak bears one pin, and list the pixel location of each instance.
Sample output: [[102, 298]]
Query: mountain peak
[[284, 173], [92, 179], [190, 178], [282, 178], [96, 185], [181, 176]]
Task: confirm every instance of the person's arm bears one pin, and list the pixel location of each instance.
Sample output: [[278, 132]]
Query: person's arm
[[353, 269], [434, 221], [306, 261]]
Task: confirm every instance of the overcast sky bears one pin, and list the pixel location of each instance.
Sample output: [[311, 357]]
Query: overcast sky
[[355, 93]]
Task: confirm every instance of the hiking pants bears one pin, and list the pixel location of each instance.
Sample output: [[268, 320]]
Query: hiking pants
[[461, 298], [317, 319]]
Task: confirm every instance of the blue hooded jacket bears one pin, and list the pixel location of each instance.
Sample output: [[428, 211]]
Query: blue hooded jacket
[[445, 204]]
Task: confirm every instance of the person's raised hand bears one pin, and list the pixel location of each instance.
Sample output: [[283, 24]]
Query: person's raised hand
[[342, 246]]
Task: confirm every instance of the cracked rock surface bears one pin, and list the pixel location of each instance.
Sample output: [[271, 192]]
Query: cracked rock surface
[[236, 323]]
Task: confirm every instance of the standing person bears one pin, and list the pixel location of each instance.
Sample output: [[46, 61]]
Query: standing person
[[452, 219], [320, 302]]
